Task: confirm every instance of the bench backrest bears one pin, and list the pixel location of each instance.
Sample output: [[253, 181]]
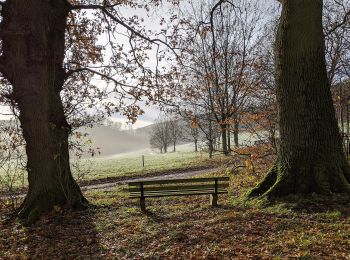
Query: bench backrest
[[178, 187]]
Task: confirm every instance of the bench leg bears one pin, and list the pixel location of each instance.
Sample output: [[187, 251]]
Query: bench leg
[[214, 200], [143, 204]]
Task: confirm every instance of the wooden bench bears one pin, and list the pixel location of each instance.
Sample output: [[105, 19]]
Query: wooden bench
[[178, 187]]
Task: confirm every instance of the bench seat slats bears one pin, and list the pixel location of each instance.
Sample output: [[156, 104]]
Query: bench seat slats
[[176, 191], [212, 180], [179, 187], [185, 187], [169, 194]]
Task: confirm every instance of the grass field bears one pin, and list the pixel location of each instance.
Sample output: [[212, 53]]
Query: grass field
[[130, 164], [126, 164]]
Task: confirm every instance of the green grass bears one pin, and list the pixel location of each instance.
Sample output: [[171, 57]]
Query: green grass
[[130, 166]]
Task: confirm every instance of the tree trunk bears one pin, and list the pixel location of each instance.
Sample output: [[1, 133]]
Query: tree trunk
[[217, 142], [347, 128], [224, 138], [310, 159], [33, 34], [272, 139], [229, 138], [211, 148], [341, 109], [235, 133], [347, 119], [194, 132]]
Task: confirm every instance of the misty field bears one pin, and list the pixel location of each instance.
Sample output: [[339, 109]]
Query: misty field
[[123, 165], [131, 165]]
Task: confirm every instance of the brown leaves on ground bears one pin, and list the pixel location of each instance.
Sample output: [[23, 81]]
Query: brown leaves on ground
[[58, 235], [185, 228]]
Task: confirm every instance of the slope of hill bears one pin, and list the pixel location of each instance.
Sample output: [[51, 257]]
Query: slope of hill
[[113, 141]]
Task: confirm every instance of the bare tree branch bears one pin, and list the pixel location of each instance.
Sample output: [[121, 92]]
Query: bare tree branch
[[104, 9], [116, 82], [338, 25]]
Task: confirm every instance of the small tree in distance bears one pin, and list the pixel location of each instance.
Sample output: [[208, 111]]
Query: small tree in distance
[[161, 134], [165, 132]]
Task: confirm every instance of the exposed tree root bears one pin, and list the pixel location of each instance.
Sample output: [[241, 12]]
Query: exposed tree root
[[37, 204], [297, 179]]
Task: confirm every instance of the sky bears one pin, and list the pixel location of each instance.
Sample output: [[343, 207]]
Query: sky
[[152, 112], [151, 22]]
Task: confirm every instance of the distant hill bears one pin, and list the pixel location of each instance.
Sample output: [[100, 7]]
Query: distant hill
[[112, 140], [143, 131]]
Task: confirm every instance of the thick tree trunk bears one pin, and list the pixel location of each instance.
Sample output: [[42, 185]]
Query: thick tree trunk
[[310, 157], [33, 50]]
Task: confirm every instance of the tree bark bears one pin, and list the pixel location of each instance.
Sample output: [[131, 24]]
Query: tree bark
[[310, 159], [228, 138], [272, 140], [33, 34], [341, 102], [211, 148], [347, 118], [224, 138], [235, 133]]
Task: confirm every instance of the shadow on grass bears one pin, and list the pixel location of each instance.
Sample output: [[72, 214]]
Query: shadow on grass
[[71, 234], [59, 235], [324, 204], [333, 205]]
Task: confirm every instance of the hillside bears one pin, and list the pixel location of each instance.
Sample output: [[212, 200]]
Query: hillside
[[113, 141]]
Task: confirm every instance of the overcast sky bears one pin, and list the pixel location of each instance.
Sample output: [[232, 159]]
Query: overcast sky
[[151, 22]]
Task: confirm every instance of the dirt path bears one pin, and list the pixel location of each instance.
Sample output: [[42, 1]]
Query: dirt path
[[185, 174]]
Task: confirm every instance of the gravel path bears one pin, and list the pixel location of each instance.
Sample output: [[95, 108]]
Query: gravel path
[[186, 174], [111, 184]]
